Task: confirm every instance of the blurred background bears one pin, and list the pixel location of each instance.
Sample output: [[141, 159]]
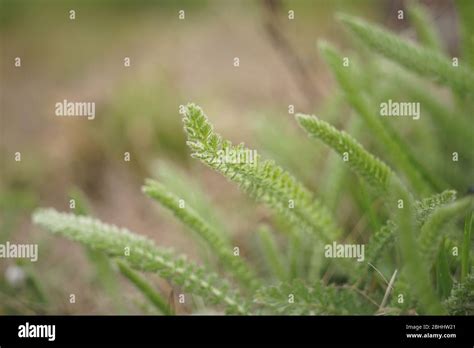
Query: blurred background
[[172, 62]]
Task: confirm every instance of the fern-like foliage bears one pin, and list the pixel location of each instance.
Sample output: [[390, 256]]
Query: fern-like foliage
[[297, 298], [219, 246], [191, 191], [373, 170], [461, 301], [307, 284], [416, 262], [426, 206], [432, 231], [106, 273], [263, 180], [399, 152], [423, 61], [457, 132], [141, 254], [335, 174], [381, 240], [385, 237], [416, 268], [376, 173]]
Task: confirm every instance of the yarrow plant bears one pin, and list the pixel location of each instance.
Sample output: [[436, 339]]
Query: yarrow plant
[[421, 248]]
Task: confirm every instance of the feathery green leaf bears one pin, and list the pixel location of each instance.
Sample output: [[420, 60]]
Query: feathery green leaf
[[106, 273], [421, 179], [362, 162], [381, 240], [264, 181], [441, 115], [432, 231], [427, 206], [187, 215], [461, 301], [423, 61], [143, 255], [190, 190], [386, 235], [297, 298]]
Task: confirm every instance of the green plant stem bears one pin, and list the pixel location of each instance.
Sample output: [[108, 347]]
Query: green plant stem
[[421, 179], [272, 254], [145, 288], [218, 245], [466, 247], [416, 269]]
